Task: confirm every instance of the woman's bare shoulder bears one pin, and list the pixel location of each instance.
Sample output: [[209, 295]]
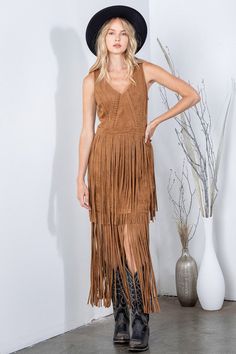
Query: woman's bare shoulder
[[154, 72], [88, 82], [89, 78], [147, 69], [147, 65]]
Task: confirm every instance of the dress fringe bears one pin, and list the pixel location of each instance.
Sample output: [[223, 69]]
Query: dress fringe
[[122, 196], [121, 178], [111, 255]]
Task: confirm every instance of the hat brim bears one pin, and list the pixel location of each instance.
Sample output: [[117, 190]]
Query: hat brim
[[132, 15]]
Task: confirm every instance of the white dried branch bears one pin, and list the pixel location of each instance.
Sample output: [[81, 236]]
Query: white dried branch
[[201, 158], [181, 208]]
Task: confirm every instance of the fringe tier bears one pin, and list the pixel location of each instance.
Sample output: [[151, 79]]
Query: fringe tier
[[122, 196]]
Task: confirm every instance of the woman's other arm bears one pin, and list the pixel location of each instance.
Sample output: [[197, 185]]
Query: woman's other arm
[[155, 73], [86, 138]]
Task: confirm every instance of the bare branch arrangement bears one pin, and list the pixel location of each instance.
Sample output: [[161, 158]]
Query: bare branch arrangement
[[197, 144], [182, 210]]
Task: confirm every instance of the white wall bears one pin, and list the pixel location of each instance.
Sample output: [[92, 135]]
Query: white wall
[[201, 38], [45, 234]]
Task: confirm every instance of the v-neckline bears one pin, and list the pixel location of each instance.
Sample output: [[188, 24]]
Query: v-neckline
[[127, 88]]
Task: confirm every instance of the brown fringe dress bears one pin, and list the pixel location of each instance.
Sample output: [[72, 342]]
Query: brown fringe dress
[[122, 191]]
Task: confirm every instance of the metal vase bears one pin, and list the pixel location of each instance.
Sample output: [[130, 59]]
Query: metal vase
[[186, 274]]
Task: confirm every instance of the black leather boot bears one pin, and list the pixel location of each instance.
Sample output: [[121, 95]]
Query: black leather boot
[[139, 319], [121, 312]]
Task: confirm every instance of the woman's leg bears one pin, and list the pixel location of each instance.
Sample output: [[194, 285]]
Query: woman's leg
[[121, 310], [128, 249], [140, 320]]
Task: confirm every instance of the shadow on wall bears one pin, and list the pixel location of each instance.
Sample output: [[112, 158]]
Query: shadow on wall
[[67, 220]]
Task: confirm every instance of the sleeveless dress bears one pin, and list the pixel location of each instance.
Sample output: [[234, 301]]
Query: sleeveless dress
[[122, 191]]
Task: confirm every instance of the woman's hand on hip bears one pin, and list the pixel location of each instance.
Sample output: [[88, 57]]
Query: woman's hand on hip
[[150, 129]]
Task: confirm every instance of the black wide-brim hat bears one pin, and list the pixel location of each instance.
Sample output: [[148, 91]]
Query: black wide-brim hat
[[130, 14]]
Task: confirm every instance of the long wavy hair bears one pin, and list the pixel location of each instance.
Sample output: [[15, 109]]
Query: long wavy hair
[[102, 51]]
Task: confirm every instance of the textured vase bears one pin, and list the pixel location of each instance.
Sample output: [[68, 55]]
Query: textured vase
[[186, 279], [210, 283]]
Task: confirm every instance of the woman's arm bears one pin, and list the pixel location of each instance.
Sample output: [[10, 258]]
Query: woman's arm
[[86, 137], [154, 73]]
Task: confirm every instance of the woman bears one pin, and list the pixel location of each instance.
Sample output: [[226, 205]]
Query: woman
[[121, 195]]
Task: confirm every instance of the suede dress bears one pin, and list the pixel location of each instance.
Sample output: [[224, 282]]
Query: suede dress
[[122, 191]]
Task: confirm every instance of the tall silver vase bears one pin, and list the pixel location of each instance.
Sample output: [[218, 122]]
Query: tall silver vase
[[186, 274]]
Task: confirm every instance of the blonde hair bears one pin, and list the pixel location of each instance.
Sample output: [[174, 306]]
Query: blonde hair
[[102, 51]]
